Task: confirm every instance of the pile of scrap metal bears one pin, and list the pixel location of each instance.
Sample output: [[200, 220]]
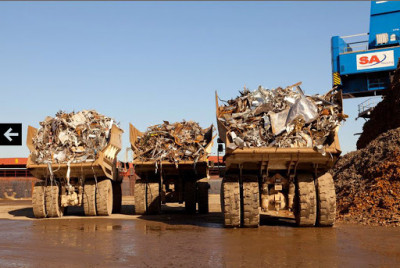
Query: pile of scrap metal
[[72, 137], [282, 117], [180, 141]]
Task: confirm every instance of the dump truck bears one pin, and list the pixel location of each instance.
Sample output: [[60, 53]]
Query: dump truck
[[272, 180], [161, 182], [94, 185]]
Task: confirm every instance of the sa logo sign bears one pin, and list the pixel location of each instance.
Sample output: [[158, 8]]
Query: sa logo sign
[[375, 60], [371, 60]]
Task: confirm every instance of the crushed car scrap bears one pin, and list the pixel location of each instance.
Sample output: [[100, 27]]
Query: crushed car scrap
[[71, 137], [180, 141], [282, 117]]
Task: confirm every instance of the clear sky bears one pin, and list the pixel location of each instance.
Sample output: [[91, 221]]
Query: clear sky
[[144, 62]]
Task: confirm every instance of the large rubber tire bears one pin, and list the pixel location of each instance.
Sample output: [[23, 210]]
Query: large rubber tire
[[140, 197], [104, 198], [326, 196], [306, 200], [53, 201], [251, 202], [38, 200], [153, 198], [65, 210], [221, 196], [89, 198], [117, 197], [202, 197], [231, 203], [190, 196]]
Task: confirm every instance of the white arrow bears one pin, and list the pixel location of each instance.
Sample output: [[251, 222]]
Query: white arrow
[[8, 134]]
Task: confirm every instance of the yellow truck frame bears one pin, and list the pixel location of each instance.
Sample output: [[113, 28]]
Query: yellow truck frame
[[269, 180], [94, 185], [163, 182]]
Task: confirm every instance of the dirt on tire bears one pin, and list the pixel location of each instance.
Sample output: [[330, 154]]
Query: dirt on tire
[[306, 201], [104, 198], [140, 197], [231, 203], [326, 200], [52, 203], [38, 200], [251, 200], [153, 198], [89, 198]]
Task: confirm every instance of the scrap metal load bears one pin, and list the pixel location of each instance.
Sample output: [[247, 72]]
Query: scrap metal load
[[180, 141], [171, 163], [281, 117], [74, 157], [71, 137]]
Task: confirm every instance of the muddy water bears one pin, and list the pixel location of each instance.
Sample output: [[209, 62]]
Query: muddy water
[[191, 241]]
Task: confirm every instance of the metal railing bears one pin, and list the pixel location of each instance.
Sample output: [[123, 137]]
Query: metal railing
[[359, 45], [367, 105], [352, 48], [11, 172]]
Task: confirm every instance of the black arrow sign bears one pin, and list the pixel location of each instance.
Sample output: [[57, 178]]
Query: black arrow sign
[[10, 134]]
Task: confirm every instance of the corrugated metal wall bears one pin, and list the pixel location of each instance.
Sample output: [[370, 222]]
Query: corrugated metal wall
[[21, 186]]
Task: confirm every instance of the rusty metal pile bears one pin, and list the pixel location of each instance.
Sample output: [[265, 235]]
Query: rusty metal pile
[[367, 182], [281, 117], [71, 137], [180, 141]]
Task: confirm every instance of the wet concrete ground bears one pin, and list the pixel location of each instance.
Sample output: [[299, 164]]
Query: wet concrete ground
[[174, 239]]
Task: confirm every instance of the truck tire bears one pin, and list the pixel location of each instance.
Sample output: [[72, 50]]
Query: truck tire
[[89, 198], [65, 211], [190, 196], [231, 203], [153, 198], [251, 201], [117, 197], [140, 197], [38, 200], [53, 201], [221, 197], [104, 198], [306, 200], [326, 196], [202, 197]]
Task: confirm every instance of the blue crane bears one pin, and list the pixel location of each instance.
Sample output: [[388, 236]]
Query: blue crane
[[365, 67]]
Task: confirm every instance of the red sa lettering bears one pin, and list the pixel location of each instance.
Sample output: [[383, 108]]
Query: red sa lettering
[[373, 59], [364, 60]]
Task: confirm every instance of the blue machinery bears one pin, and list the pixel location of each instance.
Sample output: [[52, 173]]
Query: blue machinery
[[365, 67]]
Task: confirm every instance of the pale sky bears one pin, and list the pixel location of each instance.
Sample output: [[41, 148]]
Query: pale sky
[[145, 62]]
